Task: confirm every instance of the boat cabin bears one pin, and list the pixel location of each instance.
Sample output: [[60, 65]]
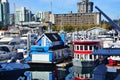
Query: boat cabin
[[83, 49]]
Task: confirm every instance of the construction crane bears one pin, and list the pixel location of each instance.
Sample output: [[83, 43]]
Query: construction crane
[[114, 25]]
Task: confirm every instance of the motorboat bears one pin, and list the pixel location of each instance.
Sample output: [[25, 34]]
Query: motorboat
[[6, 53]]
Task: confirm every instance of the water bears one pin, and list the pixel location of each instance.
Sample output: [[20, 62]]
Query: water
[[58, 74], [71, 73], [42, 74]]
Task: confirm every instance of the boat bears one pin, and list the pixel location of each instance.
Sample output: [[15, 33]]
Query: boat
[[83, 52], [12, 69], [6, 53]]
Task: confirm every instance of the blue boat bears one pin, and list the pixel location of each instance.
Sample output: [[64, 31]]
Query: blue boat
[[12, 70], [49, 48]]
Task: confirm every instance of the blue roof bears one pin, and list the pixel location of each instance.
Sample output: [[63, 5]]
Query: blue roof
[[107, 51]]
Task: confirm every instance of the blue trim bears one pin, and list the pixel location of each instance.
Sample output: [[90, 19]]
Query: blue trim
[[51, 76], [38, 48], [107, 51], [51, 56]]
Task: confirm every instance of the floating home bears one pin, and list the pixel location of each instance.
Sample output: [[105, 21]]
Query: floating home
[[49, 48], [83, 52]]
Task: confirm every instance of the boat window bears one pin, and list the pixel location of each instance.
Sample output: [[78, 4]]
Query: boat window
[[90, 47], [78, 56], [90, 56], [85, 56], [3, 48], [12, 43], [77, 47], [81, 47], [86, 47]]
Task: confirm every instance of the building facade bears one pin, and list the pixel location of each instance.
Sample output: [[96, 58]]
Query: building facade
[[77, 19], [22, 15], [85, 6], [83, 17], [4, 13], [12, 19], [42, 16]]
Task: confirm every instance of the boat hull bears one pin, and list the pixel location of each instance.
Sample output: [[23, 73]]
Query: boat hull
[[12, 74], [83, 63]]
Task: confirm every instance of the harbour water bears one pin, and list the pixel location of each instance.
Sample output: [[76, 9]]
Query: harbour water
[[58, 74], [70, 73], [45, 74]]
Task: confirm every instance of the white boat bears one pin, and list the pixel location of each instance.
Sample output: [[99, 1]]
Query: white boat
[[6, 53]]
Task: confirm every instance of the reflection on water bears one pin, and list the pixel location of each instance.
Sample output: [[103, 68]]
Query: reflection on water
[[60, 74], [57, 74], [72, 73], [82, 73]]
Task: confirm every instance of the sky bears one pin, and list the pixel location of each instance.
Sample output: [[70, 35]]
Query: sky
[[109, 7]]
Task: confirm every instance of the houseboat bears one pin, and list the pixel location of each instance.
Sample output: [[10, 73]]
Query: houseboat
[[83, 52], [49, 48]]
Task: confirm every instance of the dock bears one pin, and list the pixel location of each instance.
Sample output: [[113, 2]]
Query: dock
[[64, 64]]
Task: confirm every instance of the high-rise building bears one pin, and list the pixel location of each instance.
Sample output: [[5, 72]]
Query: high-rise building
[[4, 13], [12, 19], [85, 6], [42, 16], [22, 15]]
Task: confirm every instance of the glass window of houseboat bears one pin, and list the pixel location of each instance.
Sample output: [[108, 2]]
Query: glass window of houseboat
[[77, 47], [78, 56], [90, 56], [85, 56], [81, 47], [90, 47], [86, 47]]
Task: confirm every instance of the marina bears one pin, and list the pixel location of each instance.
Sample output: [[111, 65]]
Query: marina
[[67, 46]]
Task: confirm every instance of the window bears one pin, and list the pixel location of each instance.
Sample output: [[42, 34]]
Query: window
[[77, 47], [90, 47], [81, 47], [78, 56], [86, 47], [90, 56]]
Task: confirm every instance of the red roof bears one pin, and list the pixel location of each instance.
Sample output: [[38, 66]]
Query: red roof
[[86, 42]]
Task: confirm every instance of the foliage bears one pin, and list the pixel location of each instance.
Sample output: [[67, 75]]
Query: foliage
[[71, 28]]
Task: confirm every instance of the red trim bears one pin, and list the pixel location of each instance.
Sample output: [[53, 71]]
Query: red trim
[[82, 52], [86, 42], [81, 79]]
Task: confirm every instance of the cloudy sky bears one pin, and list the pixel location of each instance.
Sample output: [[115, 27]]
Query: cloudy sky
[[110, 7]]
